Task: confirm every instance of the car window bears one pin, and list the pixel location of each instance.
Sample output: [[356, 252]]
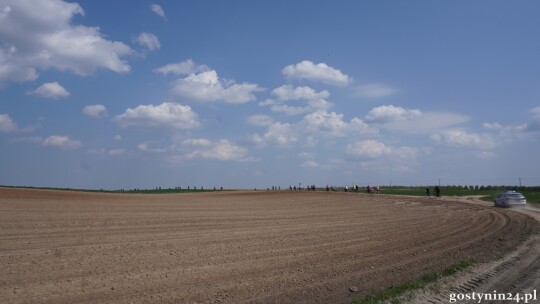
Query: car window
[[514, 195]]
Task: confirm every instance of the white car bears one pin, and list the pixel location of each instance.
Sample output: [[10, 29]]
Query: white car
[[509, 199]]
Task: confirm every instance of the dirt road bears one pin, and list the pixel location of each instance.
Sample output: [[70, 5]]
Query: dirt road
[[516, 273], [235, 247]]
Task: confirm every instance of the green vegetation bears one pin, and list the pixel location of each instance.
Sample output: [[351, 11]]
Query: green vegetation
[[393, 293], [532, 194]]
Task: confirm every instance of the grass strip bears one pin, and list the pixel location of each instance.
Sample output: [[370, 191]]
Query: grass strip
[[392, 293]]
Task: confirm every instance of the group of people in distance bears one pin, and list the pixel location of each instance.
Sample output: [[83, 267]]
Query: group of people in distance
[[355, 188], [437, 191]]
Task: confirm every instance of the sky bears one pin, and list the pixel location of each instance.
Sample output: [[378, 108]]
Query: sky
[[255, 94]]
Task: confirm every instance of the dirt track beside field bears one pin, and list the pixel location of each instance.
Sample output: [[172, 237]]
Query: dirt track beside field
[[235, 247]]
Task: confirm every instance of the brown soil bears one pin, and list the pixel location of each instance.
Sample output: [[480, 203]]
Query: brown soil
[[516, 273], [235, 247]]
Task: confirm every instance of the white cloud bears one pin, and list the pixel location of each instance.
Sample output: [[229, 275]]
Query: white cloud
[[201, 142], [332, 124], [145, 147], [62, 142], [14, 68], [486, 155], [314, 100], [427, 123], [462, 139], [375, 90], [7, 124], [95, 111], [310, 164], [320, 72], [534, 125], [221, 150], [51, 90], [260, 120], [288, 92], [149, 41], [492, 126], [158, 10], [38, 35], [536, 113], [512, 132], [313, 125], [117, 152], [413, 121], [368, 148], [282, 134], [165, 115], [289, 110], [118, 137], [384, 114], [306, 155], [373, 149], [206, 86], [181, 68]]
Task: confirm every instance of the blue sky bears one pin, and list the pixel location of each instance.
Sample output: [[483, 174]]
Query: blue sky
[[251, 94]]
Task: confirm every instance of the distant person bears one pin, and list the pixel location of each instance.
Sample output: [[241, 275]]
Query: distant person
[[346, 188], [437, 191], [428, 192]]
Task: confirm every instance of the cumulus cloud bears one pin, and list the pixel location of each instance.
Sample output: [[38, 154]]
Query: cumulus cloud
[[95, 111], [310, 164], [117, 152], [375, 90], [165, 115], [52, 90], [462, 139], [332, 124], [320, 72], [281, 134], [286, 109], [39, 35], [486, 155], [62, 142], [509, 133], [181, 68], [384, 114], [368, 148], [158, 10], [492, 126], [206, 86], [201, 142], [7, 124], [534, 125], [536, 113], [414, 121], [260, 120], [149, 41], [146, 147], [313, 125], [375, 155], [288, 92], [221, 150], [312, 100]]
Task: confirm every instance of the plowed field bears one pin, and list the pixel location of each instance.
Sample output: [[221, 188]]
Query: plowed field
[[235, 247]]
